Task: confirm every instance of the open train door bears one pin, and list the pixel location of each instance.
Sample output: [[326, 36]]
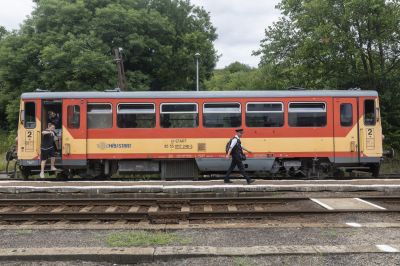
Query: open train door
[[74, 134], [346, 136]]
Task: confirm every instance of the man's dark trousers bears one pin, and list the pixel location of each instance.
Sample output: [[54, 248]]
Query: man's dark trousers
[[236, 161]]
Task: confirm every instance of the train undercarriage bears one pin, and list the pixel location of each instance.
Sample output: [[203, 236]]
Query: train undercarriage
[[277, 168]]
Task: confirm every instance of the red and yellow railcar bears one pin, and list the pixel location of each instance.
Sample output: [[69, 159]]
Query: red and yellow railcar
[[181, 134]]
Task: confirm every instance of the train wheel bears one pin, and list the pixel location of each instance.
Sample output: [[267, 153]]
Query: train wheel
[[338, 173], [375, 170], [25, 172], [63, 175]]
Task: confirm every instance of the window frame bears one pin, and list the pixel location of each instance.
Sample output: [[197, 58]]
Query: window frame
[[133, 103], [218, 112], [68, 117], [130, 103], [265, 112], [34, 115], [375, 113], [223, 112], [180, 112], [281, 103], [324, 103], [308, 111], [340, 115], [100, 103]]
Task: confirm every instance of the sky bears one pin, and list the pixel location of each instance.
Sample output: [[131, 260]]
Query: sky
[[240, 24]]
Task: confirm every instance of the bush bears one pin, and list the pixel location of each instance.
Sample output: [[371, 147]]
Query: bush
[[7, 139]]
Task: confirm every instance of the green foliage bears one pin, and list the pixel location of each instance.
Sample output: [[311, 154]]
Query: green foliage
[[68, 45], [339, 44], [238, 76], [144, 238], [6, 140]]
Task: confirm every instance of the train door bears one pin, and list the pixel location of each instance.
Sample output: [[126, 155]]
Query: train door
[[346, 130], [29, 131], [51, 112], [74, 135], [370, 131]]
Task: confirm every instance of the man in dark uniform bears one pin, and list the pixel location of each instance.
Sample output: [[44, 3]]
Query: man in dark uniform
[[47, 148], [236, 150]]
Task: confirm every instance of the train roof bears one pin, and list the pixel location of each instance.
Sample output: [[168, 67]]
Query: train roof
[[195, 94]]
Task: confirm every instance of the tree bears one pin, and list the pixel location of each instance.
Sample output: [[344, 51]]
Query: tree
[[339, 44], [335, 43], [68, 45]]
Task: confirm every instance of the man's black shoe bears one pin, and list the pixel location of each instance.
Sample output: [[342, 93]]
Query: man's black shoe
[[249, 181], [228, 181]]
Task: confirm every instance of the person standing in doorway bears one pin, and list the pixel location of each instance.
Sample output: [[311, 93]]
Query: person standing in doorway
[[47, 148], [54, 118], [236, 150]]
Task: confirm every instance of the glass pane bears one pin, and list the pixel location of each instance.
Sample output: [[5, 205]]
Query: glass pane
[[30, 115], [264, 119], [307, 107], [346, 114], [179, 120], [264, 107], [172, 108], [99, 116], [74, 112], [221, 108], [136, 120], [99, 108], [307, 119], [218, 120], [369, 113], [136, 108]]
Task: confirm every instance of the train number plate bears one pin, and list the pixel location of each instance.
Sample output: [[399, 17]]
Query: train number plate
[[370, 139], [29, 141]]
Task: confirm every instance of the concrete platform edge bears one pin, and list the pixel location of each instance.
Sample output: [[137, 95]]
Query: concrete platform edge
[[99, 190], [141, 254]]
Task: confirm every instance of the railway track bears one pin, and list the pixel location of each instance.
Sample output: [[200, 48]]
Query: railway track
[[167, 210], [5, 177]]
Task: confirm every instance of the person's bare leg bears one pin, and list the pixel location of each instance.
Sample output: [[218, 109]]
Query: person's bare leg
[[42, 166], [52, 162]]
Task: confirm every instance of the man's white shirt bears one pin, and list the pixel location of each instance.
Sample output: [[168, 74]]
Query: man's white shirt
[[234, 141]]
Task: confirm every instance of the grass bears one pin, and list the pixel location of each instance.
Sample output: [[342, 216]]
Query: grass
[[330, 232], [144, 238], [23, 232], [3, 161], [242, 261], [6, 141], [391, 165]]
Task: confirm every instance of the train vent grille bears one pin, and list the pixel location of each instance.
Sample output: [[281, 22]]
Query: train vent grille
[[201, 147]]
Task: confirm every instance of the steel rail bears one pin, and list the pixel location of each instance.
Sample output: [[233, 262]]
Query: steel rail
[[197, 200], [171, 215]]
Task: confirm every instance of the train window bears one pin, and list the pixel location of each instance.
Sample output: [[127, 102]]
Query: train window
[[346, 114], [30, 115], [222, 115], [74, 120], [179, 115], [136, 115], [309, 114], [99, 115], [264, 115], [369, 113]]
